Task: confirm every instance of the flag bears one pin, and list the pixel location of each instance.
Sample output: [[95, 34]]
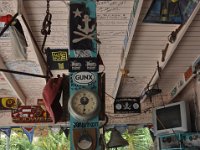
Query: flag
[[82, 26], [51, 94], [7, 131], [29, 131]]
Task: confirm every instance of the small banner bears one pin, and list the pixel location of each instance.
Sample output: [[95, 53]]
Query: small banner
[[83, 64], [29, 131], [8, 103], [127, 105], [82, 26], [7, 131], [30, 114], [57, 59]]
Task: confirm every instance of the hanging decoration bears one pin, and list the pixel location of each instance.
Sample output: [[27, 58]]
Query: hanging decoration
[[7, 131], [29, 131], [125, 105]]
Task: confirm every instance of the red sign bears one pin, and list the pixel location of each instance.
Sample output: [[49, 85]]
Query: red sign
[[30, 114]]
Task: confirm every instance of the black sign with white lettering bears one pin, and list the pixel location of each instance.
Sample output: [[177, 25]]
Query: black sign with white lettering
[[57, 59], [83, 64], [127, 105]]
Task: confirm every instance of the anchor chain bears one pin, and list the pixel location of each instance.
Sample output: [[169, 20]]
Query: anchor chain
[[46, 26]]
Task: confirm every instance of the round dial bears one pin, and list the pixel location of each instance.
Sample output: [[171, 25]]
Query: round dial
[[85, 142], [84, 105]]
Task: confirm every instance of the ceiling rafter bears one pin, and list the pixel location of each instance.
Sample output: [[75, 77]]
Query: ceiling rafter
[[129, 35], [172, 47], [32, 43], [12, 82]]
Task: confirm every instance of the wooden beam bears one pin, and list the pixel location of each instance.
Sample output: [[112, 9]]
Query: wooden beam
[[172, 46], [127, 42], [13, 84], [32, 42]]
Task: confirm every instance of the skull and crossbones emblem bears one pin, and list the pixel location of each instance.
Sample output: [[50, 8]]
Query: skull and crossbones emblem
[[86, 32]]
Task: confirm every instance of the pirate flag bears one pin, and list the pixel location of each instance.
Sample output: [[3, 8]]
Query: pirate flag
[[83, 26]]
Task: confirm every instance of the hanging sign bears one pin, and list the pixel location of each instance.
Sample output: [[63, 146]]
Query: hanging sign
[[8, 103], [30, 114], [57, 59], [127, 105]]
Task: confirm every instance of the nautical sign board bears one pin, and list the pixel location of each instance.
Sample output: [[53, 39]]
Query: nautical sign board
[[30, 114], [127, 105], [8, 103]]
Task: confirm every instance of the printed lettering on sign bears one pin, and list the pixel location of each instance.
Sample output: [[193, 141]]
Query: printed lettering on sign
[[83, 78]]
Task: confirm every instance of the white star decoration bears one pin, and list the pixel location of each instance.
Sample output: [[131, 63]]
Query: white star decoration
[[77, 13]]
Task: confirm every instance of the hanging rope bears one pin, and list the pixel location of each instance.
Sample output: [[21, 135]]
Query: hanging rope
[[24, 73], [46, 26]]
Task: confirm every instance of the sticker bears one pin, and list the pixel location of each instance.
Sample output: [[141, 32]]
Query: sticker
[[84, 78], [83, 64]]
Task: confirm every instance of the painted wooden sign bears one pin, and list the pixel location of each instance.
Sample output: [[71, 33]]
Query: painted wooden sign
[[8, 103], [30, 114]]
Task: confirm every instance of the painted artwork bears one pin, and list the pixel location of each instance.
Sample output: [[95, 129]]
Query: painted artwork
[[30, 114], [170, 11], [8, 103]]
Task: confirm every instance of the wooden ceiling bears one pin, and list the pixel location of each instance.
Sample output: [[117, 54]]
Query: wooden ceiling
[[127, 44]]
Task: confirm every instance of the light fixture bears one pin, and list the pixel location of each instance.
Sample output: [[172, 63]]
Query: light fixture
[[152, 91], [116, 139]]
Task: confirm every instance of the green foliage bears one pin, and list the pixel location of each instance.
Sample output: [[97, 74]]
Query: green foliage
[[140, 139], [54, 141]]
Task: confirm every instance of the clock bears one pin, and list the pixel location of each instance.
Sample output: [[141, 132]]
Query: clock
[[84, 105]]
